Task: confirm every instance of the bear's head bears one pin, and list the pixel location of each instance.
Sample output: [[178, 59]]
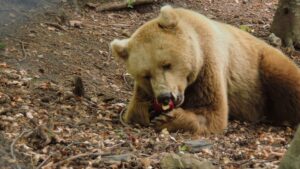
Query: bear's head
[[163, 56]]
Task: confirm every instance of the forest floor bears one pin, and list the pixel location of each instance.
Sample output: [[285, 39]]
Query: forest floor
[[43, 125]]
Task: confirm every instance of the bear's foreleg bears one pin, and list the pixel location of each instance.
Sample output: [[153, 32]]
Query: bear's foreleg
[[138, 108]]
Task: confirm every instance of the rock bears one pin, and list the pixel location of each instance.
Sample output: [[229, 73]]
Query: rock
[[189, 161], [292, 157], [174, 161], [171, 161], [274, 40], [118, 158], [195, 146]]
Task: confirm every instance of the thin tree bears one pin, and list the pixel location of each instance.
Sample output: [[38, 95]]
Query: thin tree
[[286, 23]]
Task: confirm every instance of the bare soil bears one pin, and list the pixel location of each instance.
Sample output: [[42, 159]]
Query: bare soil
[[47, 126]]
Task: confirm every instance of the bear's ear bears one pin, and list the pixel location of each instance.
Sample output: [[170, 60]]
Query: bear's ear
[[119, 48], [167, 17]]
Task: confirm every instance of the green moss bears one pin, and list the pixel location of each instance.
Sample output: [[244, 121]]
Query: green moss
[[2, 46]]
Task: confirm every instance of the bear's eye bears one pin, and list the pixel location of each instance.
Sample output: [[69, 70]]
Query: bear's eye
[[167, 66]]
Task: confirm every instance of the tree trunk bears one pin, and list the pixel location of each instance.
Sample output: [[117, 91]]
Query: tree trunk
[[286, 23], [291, 158]]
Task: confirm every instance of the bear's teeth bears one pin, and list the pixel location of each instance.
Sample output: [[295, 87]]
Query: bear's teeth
[[166, 107]]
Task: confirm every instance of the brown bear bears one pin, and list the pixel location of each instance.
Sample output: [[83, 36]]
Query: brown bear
[[208, 69]]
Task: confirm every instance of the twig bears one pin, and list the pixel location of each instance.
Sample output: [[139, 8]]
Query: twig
[[41, 165], [116, 145], [91, 103], [13, 145], [77, 156], [278, 154], [55, 25], [23, 51], [121, 5]]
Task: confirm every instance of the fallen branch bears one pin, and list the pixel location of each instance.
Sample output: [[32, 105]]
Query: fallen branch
[[55, 25], [77, 156], [109, 6]]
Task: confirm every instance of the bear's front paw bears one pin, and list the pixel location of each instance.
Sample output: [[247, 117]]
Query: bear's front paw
[[165, 120], [179, 119], [161, 119]]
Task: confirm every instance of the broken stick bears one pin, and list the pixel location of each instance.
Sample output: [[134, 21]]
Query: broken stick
[[122, 5]]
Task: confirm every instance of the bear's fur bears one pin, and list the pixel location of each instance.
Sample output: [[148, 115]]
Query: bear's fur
[[218, 68]]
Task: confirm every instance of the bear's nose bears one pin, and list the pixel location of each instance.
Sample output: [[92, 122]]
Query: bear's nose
[[164, 98]]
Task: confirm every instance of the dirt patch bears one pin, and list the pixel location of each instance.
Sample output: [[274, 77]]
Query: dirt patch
[[38, 68]]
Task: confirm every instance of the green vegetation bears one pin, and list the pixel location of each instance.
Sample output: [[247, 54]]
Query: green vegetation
[[245, 28], [2, 46], [130, 3], [183, 148]]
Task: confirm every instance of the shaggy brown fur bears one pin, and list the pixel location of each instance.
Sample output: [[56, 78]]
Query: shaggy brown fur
[[218, 68]]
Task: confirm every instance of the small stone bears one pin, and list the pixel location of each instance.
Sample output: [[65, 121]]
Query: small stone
[[31, 35], [29, 115], [118, 158], [40, 56], [274, 40], [94, 99]]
